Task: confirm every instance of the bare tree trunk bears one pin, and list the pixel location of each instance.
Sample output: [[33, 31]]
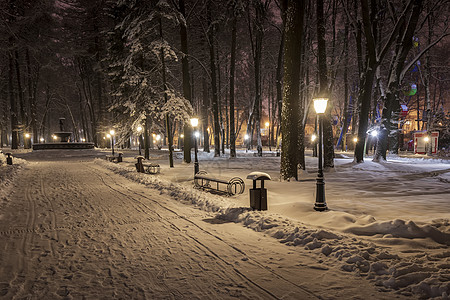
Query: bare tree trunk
[[13, 105], [204, 110], [168, 121], [187, 141], [328, 145], [290, 115], [215, 107], [232, 71]]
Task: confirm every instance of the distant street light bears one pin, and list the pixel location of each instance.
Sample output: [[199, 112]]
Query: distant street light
[[320, 105], [41, 140], [26, 141], [194, 123]]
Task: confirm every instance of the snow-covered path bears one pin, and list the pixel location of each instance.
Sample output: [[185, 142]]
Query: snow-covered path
[[75, 230]]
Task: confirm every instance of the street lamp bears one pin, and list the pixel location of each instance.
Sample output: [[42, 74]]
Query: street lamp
[[320, 105], [26, 141], [112, 132], [194, 123], [268, 135], [139, 129]]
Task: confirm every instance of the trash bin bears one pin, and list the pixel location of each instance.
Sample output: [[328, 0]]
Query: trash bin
[[139, 165], [258, 196], [8, 159], [120, 157]]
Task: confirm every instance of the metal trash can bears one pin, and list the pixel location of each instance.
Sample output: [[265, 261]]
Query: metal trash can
[[139, 165], [258, 196], [120, 157], [9, 158]]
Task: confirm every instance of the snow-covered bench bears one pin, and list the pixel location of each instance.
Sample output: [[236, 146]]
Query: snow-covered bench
[[229, 187], [150, 168], [114, 158]]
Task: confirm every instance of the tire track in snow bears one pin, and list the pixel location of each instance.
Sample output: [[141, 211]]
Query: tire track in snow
[[203, 245]]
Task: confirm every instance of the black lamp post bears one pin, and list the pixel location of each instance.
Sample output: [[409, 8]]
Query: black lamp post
[[112, 132], [194, 123], [320, 105]]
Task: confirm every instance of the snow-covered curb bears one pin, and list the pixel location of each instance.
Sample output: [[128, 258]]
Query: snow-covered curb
[[419, 274], [7, 175]]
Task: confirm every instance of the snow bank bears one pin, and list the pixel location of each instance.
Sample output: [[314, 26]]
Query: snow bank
[[409, 272], [7, 174]]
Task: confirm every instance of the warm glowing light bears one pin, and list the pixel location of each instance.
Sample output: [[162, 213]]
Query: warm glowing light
[[104, 137], [267, 124], [41, 139], [108, 136], [313, 137], [27, 135], [83, 140], [194, 122], [320, 105], [182, 136], [54, 137], [374, 133], [426, 139], [158, 137], [139, 129], [112, 132], [197, 134], [246, 137], [355, 139]]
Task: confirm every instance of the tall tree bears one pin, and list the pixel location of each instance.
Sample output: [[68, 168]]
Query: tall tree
[[291, 121], [328, 145]]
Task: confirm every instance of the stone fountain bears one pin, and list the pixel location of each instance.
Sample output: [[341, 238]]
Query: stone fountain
[[61, 140]]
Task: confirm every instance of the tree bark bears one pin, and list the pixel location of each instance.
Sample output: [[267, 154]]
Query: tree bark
[[212, 61], [187, 141], [328, 144], [290, 112], [232, 71]]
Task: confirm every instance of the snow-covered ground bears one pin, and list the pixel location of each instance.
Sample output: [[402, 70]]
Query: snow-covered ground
[[387, 223]]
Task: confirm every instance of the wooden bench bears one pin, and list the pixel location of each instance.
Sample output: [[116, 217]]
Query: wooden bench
[[150, 168], [228, 187], [267, 154], [114, 158]]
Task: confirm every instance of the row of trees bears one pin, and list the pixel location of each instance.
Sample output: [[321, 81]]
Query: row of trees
[[235, 64]]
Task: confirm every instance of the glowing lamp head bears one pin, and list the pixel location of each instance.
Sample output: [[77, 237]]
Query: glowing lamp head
[[139, 129], [41, 139], [158, 137], [27, 135], [194, 122], [246, 137], [320, 105], [374, 133], [182, 136], [267, 124], [355, 139], [112, 132], [83, 140], [54, 137], [197, 134], [313, 137], [108, 136], [426, 139]]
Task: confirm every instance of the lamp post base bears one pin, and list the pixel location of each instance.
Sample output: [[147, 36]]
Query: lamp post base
[[196, 168], [320, 204]]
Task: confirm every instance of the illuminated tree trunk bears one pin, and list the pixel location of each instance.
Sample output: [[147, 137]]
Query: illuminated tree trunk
[[291, 121]]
